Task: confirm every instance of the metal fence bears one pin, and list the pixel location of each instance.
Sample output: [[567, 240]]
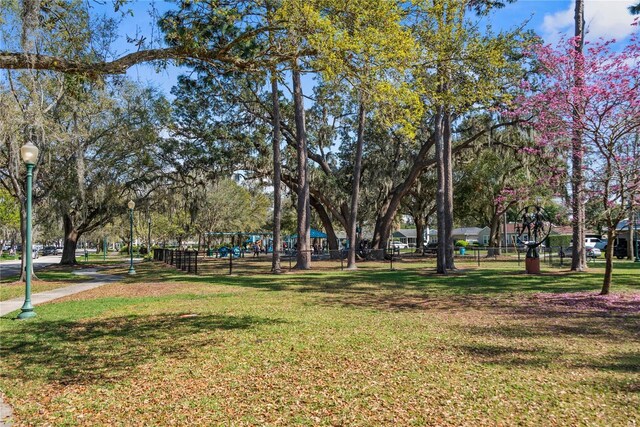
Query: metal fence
[[239, 261], [183, 260]]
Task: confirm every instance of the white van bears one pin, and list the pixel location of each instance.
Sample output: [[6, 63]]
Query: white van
[[590, 242]]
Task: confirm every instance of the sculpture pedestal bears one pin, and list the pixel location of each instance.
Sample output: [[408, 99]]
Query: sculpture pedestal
[[532, 265]]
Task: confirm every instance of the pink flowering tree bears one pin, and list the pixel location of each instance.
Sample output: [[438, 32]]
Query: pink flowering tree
[[605, 109]]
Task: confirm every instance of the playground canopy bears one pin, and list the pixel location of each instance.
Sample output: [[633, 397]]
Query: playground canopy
[[315, 234]]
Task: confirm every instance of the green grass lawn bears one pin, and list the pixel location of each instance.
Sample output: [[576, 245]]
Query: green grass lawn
[[488, 346], [6, 257]]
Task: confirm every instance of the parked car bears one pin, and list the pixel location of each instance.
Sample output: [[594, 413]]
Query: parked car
[[430, 248], [591, 242], [602, 244], [399, 245], [34, 254], [50, 250], [523, 246], [591, 252], [620, 251]]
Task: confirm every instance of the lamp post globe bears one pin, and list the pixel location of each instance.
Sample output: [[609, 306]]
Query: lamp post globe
[[131, 205], [29, 155]]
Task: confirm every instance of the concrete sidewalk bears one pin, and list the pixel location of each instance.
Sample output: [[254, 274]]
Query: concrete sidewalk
[[99, 279]]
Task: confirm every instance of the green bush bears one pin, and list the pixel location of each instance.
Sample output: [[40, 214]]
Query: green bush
[[462, 244]]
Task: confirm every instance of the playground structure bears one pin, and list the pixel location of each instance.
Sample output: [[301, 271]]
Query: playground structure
[[238, 244]]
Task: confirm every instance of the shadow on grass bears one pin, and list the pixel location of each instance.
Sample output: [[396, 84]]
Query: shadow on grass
[[512, 356], [104, 350], [551, 325], [622, 362], [508, 355], [420, 288], [466, 281]]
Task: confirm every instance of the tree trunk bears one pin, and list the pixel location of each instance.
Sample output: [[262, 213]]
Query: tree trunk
[[355, 189], [418, 220], [631, 247], [608, 266], [332, 239], [578, 259], [448, 190], [382, 228], [71, 237], [441, 263], [303, 255], [389, 208], [277, 177], [494, 239]]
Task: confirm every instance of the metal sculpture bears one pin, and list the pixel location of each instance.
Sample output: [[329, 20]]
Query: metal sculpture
[[533, 229]]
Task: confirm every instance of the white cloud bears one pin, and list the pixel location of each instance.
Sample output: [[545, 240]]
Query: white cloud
[[604, 18]]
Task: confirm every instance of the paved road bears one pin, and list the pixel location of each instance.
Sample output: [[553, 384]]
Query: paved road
[[12, 268]]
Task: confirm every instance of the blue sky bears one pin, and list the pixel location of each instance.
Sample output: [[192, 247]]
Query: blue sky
[[549, 18]]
